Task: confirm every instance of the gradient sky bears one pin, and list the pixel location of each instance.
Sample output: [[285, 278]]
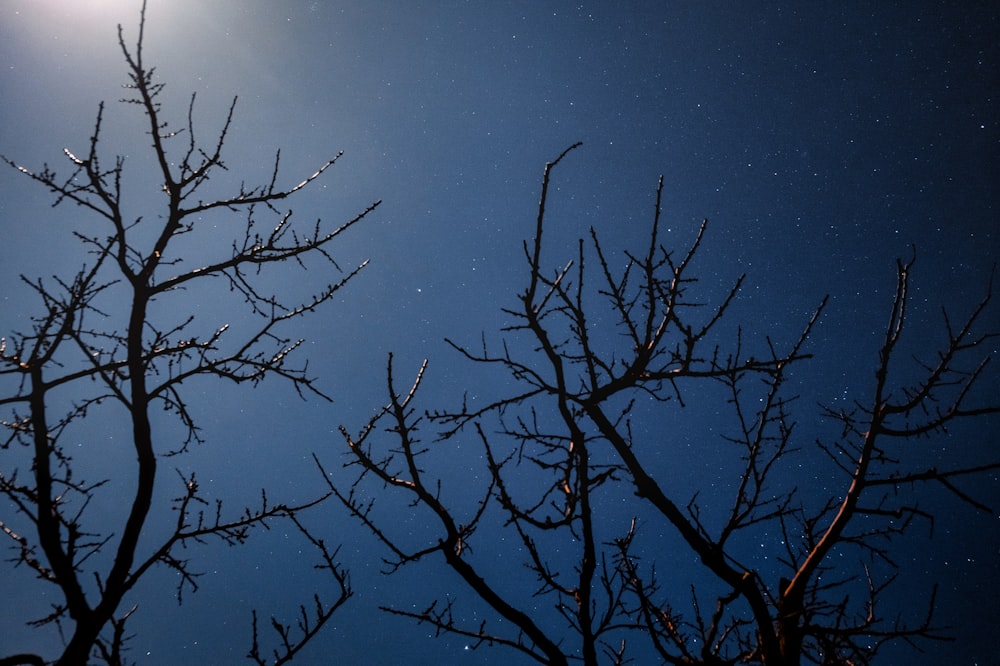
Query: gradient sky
[[821, 140]]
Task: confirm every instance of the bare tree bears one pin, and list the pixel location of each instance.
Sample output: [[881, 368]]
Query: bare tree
[[567, 445], [117, 336]]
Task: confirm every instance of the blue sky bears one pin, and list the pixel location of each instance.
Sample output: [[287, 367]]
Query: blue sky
[[820, 141]]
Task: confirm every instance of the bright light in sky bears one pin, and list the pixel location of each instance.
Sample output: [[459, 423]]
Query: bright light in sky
[[864, 127]]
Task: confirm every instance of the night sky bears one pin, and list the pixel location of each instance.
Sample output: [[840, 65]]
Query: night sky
[[821, 140]]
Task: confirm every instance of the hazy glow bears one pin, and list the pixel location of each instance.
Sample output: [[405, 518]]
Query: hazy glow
[[83, 16], [817, 152]]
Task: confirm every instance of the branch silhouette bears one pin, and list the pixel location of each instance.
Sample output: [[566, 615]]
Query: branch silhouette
[[562, 450], [84, 350]]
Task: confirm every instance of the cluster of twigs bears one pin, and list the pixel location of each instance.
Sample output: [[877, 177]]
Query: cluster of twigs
[[80, 352], [568, 429]]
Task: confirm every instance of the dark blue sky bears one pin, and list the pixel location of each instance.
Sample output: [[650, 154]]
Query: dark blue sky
[[821, 141]]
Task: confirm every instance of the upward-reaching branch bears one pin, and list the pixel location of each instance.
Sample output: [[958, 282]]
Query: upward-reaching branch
[[589, 426], [84, 348]]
